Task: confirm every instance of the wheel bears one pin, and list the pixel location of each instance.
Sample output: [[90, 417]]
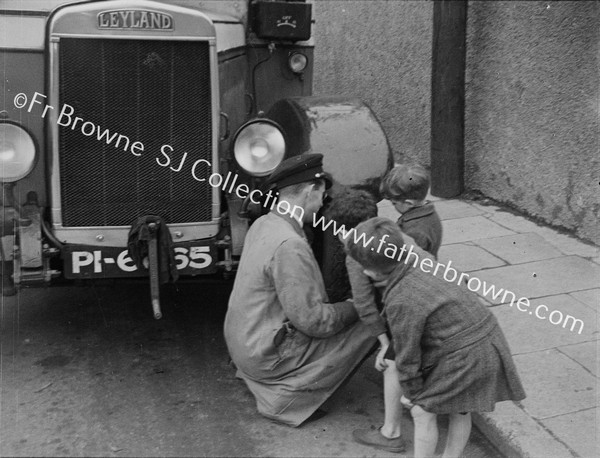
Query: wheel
[[330, 252], [331, 256], [333, 267]]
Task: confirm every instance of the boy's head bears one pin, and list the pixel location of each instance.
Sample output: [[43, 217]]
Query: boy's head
[[351, 206], [406, 186], [380, 256]]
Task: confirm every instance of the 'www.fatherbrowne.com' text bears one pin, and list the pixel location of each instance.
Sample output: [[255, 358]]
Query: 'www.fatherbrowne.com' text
[[407, 255]]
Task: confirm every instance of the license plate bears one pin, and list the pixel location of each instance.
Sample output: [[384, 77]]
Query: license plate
[[191, 258]]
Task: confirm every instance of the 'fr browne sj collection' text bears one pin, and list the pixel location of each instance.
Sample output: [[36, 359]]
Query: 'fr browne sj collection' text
[[67, 118]]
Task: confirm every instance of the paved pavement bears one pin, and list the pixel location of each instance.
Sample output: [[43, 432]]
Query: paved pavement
[[558, 363]]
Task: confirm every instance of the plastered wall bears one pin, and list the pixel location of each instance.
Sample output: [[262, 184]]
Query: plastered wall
[[380, 51], [532, 122], [532, 119]]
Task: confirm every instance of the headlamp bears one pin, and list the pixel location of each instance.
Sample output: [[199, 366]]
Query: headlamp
[[259, 147], [17, 152], [297, 62]]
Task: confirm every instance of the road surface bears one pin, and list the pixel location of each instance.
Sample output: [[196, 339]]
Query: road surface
[[87, 371]]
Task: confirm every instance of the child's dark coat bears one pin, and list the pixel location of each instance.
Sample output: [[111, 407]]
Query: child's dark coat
[[424, 225]]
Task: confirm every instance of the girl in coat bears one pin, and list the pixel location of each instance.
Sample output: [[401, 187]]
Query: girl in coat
[[451, 354]]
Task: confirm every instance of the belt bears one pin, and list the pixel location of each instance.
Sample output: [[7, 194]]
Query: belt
[[464, 338]]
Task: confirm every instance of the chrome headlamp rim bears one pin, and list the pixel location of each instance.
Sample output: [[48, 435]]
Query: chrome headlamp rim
[[268, 165], [293, 68], [33, 152]]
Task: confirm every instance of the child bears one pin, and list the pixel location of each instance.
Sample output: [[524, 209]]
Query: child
[[451, 355], [406, 187], [349, 208]]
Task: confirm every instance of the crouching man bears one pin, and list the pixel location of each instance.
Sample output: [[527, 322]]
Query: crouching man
[[291, 347]]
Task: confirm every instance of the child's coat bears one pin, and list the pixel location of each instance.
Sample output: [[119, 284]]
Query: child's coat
[[451, 354]]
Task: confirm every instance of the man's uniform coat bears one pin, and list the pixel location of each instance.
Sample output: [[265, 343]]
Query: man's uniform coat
[[279, 280]]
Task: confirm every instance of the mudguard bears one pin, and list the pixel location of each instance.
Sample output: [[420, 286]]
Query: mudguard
[[355, 149], [354, 146]]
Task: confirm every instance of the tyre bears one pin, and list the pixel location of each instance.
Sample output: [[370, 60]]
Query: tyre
[[333, 267], [330, 252]]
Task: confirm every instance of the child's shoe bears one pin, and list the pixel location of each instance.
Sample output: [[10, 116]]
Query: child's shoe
[[374, 438]]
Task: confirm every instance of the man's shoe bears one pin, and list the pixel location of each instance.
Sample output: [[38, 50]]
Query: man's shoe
[[374, 438]]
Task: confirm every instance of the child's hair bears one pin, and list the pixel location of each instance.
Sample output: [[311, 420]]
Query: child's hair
[[405, 182], [350, 207], [378, 254]]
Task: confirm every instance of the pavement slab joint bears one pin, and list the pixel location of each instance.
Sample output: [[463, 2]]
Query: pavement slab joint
[[558, 365]]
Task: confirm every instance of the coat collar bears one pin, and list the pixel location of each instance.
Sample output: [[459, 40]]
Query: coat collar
[[397, 274], [291, 221], [418, 212]]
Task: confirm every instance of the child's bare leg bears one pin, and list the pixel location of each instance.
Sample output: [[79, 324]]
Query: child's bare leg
[[459, 429], [426, 432], [392, 392]]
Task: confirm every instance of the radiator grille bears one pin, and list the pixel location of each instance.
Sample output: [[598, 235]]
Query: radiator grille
[[152, 91]]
